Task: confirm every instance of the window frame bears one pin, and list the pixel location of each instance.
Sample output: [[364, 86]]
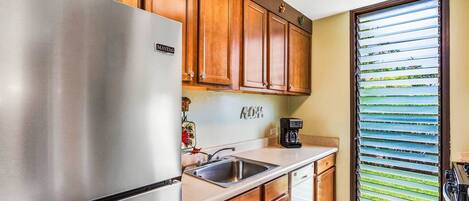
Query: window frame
[[444, 89]]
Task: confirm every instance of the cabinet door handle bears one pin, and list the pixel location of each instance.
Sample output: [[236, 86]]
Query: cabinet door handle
[[191, 75], [202, 76]]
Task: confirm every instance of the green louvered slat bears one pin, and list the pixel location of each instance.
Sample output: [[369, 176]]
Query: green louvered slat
[[414, 63], [397, 74], [400, 136], [398, 61], [400, 174], [403, 91]]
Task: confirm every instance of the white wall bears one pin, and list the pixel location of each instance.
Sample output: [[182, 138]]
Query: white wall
[[216, 115]]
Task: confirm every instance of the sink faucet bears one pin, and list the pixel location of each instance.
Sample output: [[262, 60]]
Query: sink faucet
[[210, 156]]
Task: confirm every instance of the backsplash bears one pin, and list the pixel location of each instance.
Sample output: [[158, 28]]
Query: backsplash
[[217, 116]]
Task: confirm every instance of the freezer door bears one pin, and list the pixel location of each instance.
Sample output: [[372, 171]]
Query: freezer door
[[166, 193], [90, 96]]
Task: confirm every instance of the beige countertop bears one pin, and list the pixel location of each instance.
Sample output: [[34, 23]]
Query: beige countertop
[[194, 189]]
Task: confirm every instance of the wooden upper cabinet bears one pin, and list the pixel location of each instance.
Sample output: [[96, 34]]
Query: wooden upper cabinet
[[252, 195], [299, 60], [324, 185], [133, 3], [278, 51], [254, 72], [177, 10], [214, 65]]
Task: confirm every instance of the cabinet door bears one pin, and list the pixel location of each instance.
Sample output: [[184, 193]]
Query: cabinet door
[[175, 10], [324, 164], [214, 42], [276, 189], [325, 186], [252, 195], [278, 47], [255, 45], [285, 197], [299, 60], [133, 3]]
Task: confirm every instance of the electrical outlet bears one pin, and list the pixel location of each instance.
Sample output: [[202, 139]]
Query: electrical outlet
[[273, 131], [464, 156]]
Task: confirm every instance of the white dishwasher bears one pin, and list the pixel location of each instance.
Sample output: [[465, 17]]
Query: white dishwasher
[[301, 184]]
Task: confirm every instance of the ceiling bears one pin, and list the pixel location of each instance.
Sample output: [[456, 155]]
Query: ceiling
[[316, 9]]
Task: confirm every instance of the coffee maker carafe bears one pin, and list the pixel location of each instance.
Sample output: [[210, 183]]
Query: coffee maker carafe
[[289, 132]]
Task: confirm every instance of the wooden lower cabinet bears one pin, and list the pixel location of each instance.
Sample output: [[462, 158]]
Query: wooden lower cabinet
[[324, 180], [275, 190], [285, 197], [252, 195]]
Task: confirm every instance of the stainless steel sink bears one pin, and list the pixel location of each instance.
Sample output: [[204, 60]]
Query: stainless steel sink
[[230, 171]]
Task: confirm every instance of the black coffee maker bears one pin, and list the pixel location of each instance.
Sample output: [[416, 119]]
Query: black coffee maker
[[289, 136]]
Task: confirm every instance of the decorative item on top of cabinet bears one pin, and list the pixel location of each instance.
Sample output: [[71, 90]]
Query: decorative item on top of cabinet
[[216, 31], [287, 12], [254, 73], [299, 60]]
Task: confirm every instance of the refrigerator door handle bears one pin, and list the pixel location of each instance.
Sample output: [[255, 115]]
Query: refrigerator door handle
[[170, 192], [170, 188]]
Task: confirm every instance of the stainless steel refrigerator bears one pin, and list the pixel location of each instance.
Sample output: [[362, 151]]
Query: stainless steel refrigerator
[[90, 95]]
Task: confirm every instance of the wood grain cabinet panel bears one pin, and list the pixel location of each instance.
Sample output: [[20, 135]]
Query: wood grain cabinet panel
[[177, 10], [252, 195], [299, 60], [325, 184], [214, 41], [276, 189], [133, 3], [285, 197], [278, 49], [324, 164], [255, 45]]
